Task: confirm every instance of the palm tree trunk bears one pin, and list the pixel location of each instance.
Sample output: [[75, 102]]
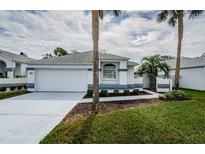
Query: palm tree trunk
[[180, 36], [95, 36]]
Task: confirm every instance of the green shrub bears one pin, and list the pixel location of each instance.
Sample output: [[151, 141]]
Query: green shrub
[[20, 76], [90, 93], [2, 89], [24, 86], [13, 88], [19, 87], [136, 92], [116, 92], [104, 93], [175, 95], [126, 92]]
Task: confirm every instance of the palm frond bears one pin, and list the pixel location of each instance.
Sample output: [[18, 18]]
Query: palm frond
[[162, 16], [101, 14], [172, 21], [115, 13], [152, 65], [195, 13]]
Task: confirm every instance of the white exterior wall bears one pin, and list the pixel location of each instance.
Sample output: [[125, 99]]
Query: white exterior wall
[[123, 74], [23, 69], [13, 81], [146, 81], [163, 81], [9, 64], [192, 78], [31, 79], [130, 75], [20, 70], [17, 69], [90, 77]]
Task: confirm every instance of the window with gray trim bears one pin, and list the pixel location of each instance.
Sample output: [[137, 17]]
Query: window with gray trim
[[109, 72]]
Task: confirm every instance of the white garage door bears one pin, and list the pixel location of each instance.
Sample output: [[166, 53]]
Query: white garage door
[[61, 80]]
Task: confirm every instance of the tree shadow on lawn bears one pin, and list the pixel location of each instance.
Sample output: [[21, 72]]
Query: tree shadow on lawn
[[85, 131]]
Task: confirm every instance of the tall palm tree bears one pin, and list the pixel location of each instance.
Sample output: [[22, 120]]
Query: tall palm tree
[[177, 17], [96, 15], [152, 65]]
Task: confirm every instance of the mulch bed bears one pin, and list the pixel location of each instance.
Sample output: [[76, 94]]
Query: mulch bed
[[84, 109], [121, 94]]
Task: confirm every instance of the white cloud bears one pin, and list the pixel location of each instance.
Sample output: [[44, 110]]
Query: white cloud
[[136, 35]]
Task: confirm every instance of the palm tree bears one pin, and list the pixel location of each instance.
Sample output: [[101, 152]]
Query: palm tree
[[152, 65], [174, 17], [96, 15]]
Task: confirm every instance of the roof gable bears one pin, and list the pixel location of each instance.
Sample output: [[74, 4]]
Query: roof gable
[[79, 58], [15, 57], [188, 62]]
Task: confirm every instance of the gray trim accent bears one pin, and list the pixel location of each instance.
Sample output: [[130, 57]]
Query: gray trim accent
[[139, 85], [123, 69], [163, 85], [189, 67], [30, 85], [90, 69], [8, 69], [117, 86], [12, 84], [30, 68]]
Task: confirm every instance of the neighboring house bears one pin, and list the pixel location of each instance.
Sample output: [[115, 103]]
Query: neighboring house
[[74, 73], [12, 65], [192, 72]]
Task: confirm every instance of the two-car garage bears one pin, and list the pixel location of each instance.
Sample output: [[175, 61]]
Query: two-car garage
[[59, 79]]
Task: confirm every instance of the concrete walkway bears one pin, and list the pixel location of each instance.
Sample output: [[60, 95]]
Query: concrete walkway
[[152, 95], [28, 118]]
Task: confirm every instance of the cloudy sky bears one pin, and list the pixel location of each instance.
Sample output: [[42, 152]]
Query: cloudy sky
[[134, 34]]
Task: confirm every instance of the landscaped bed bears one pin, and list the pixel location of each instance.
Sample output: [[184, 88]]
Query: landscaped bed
[[84, 109], [116, 93], [165, 122], [4, 95]]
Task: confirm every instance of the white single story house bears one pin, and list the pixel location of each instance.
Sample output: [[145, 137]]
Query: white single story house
[[74, 73], [12, 65], [192, 72]]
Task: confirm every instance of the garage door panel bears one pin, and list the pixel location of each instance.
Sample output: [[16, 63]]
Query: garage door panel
[[61, 80]]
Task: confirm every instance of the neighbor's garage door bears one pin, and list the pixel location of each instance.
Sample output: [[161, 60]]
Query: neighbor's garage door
[[61, 80]]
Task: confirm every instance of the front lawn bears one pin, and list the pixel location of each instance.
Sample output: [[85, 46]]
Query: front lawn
[[198, 95], [4, 95], [167, 122]]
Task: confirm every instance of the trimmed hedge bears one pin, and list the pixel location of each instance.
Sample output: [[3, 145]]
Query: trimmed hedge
[[12, 88], [103, 93], [116, 92], [175, 95], [19, 87], [126, 92], [90, 93], [2, 89], [136, 92]]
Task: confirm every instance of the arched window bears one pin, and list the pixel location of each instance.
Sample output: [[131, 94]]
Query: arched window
[[109, 71]]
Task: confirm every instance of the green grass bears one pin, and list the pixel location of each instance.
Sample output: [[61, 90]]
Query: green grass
[[198, 95], [168, 122], [4, 95]]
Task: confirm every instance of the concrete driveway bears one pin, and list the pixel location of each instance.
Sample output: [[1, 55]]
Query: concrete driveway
[[28, 118]]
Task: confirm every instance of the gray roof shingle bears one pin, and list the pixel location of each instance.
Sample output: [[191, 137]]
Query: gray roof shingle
[[79, 58], [188, 62], [15, 57]]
